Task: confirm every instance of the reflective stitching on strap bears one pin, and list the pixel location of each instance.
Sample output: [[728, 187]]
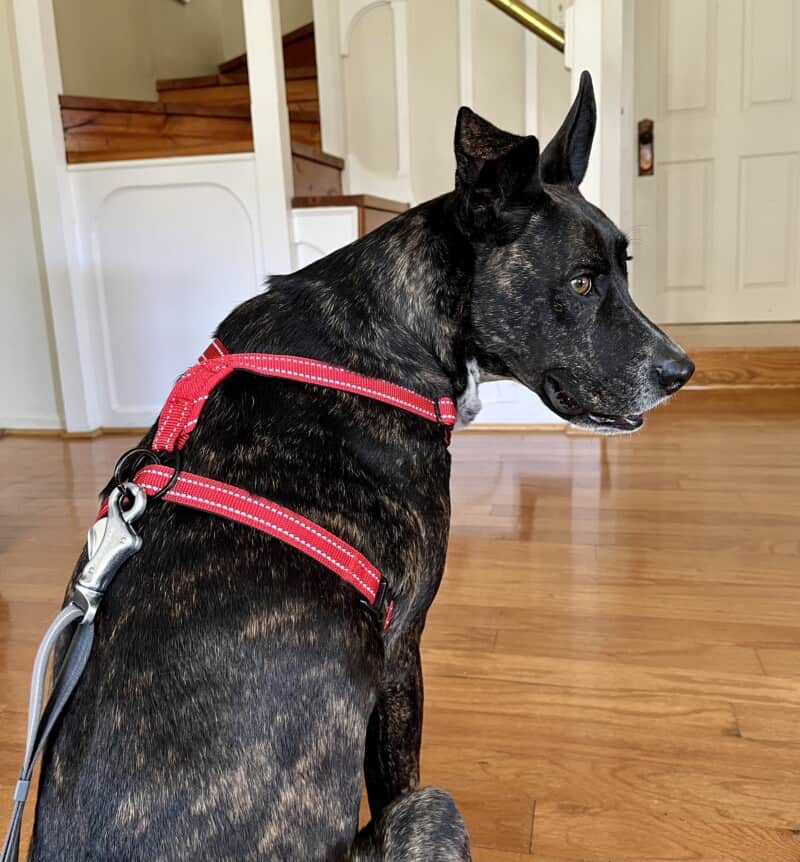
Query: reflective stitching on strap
[[188, 395], [144, 478]]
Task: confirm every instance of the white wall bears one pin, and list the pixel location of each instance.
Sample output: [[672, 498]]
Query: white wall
[[28, 396], [119, 48], [498, 64], [434, 94], [295, 13]]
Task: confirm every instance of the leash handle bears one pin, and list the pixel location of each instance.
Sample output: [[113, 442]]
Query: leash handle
[[41, 723]]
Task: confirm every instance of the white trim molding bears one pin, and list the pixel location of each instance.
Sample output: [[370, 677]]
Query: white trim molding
[[599, 37], [270, 114], [330, 81], [41, 84]]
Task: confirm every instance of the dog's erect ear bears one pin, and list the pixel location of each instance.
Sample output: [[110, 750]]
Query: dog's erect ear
[[566, 157], [497, 176]]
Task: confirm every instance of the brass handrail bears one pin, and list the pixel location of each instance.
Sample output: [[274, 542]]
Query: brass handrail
[[532, 20]]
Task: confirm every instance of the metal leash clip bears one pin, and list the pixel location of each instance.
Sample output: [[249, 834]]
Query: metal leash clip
[[111, 541]]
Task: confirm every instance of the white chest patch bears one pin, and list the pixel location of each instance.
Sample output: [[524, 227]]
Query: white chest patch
[[469, 404]]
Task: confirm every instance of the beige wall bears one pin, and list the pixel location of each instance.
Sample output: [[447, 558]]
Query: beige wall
[[27, 384], [433, 93], [295, 13], [119, 48], [498, 67], [552, 78]]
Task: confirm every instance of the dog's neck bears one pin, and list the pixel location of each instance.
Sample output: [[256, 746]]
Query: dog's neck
[[394, 304]]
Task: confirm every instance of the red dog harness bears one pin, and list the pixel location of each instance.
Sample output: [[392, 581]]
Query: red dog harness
[[181, 413]]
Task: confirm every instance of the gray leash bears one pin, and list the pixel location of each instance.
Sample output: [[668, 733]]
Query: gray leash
[[112, 541]]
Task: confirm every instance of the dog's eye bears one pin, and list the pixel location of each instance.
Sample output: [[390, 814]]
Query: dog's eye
[[582, 284]]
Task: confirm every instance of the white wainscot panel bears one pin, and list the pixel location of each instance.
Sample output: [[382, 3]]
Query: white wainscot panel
[[320, 230], [169, 248], [508, 403]]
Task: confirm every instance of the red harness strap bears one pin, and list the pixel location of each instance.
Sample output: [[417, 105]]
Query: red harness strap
[[218, 498], [188, 397], [181, 413]]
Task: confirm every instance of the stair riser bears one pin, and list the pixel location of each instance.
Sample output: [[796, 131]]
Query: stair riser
[[77, 123], [306, 133], [230, 94], [300, 52], [312, 178], [92, 136]]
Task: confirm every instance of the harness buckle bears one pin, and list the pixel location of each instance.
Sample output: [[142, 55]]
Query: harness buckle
[[381, 609]]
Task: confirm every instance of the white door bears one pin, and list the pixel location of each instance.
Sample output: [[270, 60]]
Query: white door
[[717, 226]]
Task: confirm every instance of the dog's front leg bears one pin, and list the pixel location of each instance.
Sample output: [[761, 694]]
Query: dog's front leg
[[391, 763]]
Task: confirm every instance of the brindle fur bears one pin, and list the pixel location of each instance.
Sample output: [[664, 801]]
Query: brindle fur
[[238, 693]]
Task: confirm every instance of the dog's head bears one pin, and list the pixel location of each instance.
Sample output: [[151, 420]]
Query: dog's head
[[550, 302]]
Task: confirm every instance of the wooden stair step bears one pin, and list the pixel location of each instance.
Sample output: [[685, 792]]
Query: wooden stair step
[[315, 172], [132, 106], [298, 54], [302, 89], [306, 133], [304, 105], [201, 81], [235, 64], [236, 94], [90, 149], [372, 211], [99, 130], [109, 129], [297, 73], [298, 47], [304, 115], [742, 356]]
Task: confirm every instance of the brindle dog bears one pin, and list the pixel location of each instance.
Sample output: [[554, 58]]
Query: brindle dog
[[238, 693]]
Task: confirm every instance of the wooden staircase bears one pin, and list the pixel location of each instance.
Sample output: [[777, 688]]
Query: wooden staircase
[[209, 115]]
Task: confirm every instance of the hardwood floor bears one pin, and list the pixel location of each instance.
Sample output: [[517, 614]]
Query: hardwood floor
[[613, 664]]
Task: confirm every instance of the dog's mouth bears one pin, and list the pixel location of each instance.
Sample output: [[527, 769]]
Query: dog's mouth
[[562, 402]]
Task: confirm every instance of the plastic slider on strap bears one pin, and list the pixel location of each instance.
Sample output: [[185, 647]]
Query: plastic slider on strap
[[21, 790], [446, 419]]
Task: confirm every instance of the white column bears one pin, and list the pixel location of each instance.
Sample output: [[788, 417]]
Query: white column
[[41, 85], [600, 38], [270, 118], [329, 77]]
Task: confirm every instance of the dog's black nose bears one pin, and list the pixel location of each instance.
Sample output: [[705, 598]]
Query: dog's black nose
[[673, 373]]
